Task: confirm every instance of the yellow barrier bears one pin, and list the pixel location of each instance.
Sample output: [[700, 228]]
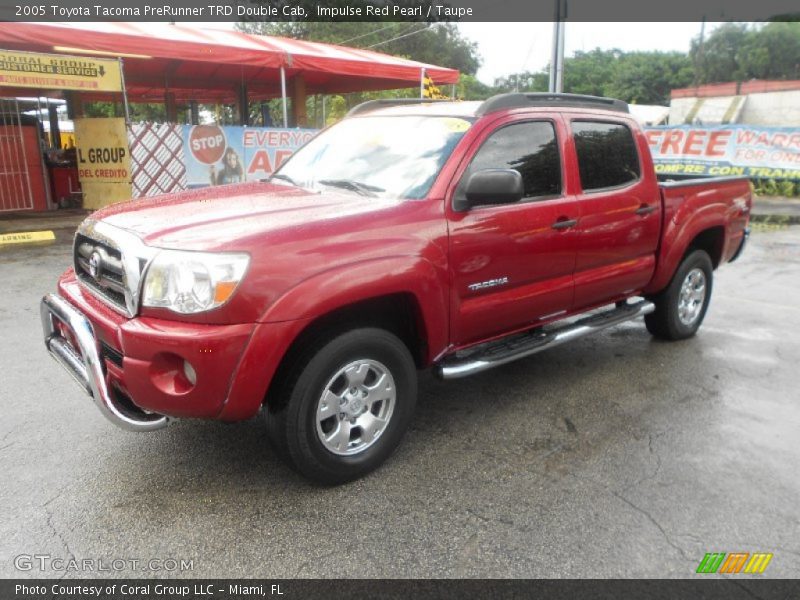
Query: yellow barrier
[[24, 237]]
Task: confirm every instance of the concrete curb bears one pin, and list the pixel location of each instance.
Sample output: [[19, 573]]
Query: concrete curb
[[18, 223], [776, 219], [776, 210]]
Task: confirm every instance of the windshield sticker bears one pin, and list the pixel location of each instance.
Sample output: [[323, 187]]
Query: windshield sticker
[[456, 125]]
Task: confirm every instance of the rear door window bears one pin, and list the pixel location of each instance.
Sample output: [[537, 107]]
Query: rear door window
[[607, 155]]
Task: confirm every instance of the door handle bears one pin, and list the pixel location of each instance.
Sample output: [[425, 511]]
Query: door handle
[[645, 209], [564, 223]]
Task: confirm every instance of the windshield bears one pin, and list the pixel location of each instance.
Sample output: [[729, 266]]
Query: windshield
[[389, 157]]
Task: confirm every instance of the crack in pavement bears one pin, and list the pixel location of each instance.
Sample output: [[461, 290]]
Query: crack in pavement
[[655, 473], [616, 494], [640, 510], [654, 522], [307, 563], [56, 532], [486, 519]]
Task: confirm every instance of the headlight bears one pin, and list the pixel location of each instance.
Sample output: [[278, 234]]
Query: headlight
[[192, 282]]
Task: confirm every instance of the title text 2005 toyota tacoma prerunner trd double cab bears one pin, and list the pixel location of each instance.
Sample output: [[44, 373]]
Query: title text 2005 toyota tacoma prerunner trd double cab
[[453, 235]]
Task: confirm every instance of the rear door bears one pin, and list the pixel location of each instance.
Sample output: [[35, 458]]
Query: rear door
[[620, 207], [510, 268]]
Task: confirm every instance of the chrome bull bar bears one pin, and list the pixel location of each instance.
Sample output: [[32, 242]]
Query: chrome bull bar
[[86, 366]]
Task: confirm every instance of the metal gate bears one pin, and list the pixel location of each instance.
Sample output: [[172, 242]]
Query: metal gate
[[15, 178]]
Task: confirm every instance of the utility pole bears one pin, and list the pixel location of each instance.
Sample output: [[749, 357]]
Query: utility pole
[[557, 59], [698, 67]]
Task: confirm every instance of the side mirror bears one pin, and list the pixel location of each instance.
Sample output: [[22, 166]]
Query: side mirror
[[492, 186]]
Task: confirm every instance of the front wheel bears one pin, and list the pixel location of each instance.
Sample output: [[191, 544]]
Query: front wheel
[[344, 408], [681, 308]]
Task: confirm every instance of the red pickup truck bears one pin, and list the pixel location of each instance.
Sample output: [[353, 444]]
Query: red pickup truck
[[453, 235]]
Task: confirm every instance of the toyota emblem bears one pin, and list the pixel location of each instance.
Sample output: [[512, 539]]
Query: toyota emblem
[[95, 266]]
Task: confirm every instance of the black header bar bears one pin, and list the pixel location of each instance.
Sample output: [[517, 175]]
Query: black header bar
[[395, 10]]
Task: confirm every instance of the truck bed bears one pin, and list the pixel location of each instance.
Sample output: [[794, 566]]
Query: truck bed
[[717, 207]]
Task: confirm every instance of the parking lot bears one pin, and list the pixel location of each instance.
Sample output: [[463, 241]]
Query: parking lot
[[616, 456]]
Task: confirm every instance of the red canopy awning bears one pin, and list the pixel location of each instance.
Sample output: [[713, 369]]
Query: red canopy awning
[[209, 65]]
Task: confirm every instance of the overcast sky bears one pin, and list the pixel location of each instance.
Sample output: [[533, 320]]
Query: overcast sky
[[514, 47]]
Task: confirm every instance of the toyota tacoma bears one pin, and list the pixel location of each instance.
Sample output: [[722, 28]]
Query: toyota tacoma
[[457, 236]]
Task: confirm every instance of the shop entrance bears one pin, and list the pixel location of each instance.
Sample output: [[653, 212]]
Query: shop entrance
[[19, 147]]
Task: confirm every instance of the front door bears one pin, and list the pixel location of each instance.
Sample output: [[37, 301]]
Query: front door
[[510, 266]]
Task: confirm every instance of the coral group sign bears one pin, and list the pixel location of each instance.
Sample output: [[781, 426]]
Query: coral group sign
[[56, 72], [740, 150], [218, 155], [104, 161]]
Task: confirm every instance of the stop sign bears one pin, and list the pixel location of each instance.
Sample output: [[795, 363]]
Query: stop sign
[[207, 143]]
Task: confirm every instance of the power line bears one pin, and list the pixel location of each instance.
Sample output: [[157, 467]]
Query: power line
[[363, 35], [399, 37]]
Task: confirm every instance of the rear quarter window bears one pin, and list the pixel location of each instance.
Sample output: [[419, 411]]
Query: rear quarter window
[[607, 155]]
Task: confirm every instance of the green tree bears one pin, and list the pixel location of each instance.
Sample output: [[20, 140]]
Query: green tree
[[469, 88], [139, 111], [771, 52], [337, 109], [522, 82], [636, 77], [716, 59], [100, 109], [738, 52], [649, 77], [590, 72]]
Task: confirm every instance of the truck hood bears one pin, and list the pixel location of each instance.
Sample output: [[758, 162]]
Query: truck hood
[[227, 217]]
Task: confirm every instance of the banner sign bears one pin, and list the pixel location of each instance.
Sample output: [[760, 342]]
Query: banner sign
[[57, 72], [104, 162], [218, 155], [740, 150]]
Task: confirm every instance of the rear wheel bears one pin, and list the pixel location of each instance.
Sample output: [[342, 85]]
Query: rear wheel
[[343, 408], [681, 308]]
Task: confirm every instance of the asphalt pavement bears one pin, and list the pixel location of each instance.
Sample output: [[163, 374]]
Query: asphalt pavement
[[615, 456]]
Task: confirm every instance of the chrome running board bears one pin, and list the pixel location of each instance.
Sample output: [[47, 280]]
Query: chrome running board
[[519, 346]]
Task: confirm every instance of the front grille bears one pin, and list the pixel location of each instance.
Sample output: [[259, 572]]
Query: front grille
[[108, 279]]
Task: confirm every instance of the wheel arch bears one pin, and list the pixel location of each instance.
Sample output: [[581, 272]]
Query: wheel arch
[[711, 240], [709, 236], [399, 313]]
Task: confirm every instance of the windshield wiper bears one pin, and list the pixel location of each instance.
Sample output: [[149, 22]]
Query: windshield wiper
[[284, 178], [349, 184]]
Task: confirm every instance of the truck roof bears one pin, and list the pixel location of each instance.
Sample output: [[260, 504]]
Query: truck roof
[[418, 106]]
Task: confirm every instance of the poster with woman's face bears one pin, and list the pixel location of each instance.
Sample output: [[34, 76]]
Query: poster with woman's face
[[222, 155]]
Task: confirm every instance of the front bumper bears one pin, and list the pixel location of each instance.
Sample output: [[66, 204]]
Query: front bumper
[[85, 365], [134, 368]]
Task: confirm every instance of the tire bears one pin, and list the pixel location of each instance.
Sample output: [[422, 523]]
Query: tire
[[681, 308], [343, 409]]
